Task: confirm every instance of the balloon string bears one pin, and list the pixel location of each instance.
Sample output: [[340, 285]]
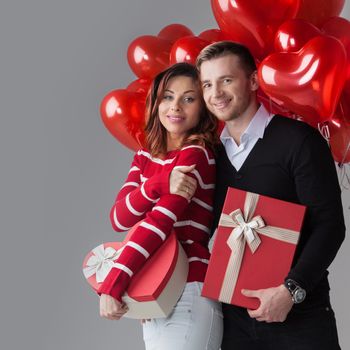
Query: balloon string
[[348, 146], [346, 153], [344, 179], [270, 103]]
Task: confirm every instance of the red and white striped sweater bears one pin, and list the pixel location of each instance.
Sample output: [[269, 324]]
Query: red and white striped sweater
[[145, 196]]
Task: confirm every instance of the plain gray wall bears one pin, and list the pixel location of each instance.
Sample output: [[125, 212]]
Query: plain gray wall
[[60, 168]]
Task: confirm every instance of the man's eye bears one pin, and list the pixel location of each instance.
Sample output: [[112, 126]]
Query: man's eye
[[227, 81], [206, 85]]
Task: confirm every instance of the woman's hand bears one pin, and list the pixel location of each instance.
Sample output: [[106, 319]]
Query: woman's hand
[[111, 308], [182, 184], [144, 320]]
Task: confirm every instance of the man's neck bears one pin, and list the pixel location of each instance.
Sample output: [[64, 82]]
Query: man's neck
[[237, 126]]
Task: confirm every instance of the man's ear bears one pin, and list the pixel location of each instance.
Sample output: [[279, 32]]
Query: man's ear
[[254, 82]]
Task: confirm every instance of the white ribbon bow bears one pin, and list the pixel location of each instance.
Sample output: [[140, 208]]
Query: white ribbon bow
[[246, 228], [101, 262]]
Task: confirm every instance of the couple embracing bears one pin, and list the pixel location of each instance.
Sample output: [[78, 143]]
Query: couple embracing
[[179, 181]]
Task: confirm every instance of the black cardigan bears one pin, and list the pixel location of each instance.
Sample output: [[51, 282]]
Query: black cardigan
[[293, 163]]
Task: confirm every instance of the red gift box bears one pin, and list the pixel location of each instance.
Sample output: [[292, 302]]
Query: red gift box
[[254, 246], [155, 289]]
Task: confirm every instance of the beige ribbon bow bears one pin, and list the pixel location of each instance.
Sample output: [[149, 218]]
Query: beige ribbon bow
[[245, 230], [101, 262]]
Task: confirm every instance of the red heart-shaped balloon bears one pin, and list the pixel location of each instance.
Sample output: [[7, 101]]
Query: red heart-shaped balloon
[[308, 82], [258, 18], [123, 114], [293, 34], [173, 32], [187, 49], [214, 35], [237, 33], [148, 55], [318, 11], [140, 85], [340, 28], [272, 106]]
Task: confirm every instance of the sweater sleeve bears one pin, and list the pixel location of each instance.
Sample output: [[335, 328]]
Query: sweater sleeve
[[323, 229], [136, 198], [156, 226]]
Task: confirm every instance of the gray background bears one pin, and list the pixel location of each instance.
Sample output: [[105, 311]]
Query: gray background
[[60, 168]]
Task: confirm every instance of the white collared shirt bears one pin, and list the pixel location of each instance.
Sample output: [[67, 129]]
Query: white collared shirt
[[255, 130]]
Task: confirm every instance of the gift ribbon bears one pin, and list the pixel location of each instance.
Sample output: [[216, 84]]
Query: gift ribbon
[[245, 230], [101, 262]]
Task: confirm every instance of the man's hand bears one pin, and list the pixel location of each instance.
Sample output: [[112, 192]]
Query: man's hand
[[111, 308], [182, 184], [275, 303]]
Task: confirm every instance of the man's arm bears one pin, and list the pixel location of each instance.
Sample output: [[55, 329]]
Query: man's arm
[[323, 231]]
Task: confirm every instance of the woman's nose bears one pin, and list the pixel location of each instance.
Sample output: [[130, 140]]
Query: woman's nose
[[175, 106]]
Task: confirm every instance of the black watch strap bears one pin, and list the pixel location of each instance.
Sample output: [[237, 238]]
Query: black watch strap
[[297, 293]]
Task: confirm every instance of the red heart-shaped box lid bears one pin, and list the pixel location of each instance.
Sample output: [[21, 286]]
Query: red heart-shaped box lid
[[148, 283]]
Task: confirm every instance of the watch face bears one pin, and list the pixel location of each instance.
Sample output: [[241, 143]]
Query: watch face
[[299, 295]]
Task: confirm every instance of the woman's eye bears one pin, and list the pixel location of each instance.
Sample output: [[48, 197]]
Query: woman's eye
[[188, 99], [167, 97]]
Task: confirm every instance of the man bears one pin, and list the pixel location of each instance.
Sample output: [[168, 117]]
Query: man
[[284, 159]]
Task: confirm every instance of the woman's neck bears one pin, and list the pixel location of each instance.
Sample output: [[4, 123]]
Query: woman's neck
[[174, 143]]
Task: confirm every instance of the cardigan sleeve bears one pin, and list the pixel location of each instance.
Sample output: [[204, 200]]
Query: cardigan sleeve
[[136, 198], [157, 225], [323, 229]]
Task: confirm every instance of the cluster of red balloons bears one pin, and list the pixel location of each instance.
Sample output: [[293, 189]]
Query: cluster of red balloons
[[303, 57]]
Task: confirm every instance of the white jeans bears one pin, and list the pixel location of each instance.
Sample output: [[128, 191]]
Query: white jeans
[[196, 323]]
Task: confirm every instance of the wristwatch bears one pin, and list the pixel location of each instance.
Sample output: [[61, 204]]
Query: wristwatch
[[298, 294]]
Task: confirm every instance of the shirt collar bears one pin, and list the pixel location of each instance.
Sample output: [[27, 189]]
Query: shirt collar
[[256, 127]]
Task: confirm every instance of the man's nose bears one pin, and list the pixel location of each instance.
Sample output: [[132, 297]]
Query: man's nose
[[217, 90]]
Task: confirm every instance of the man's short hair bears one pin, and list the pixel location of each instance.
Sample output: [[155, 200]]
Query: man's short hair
[[223, 48]]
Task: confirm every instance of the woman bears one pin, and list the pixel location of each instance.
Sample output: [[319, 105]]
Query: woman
[[180, 137]]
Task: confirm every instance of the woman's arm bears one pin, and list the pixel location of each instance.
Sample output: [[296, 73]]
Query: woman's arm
[[159, 222], [135, 197]]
